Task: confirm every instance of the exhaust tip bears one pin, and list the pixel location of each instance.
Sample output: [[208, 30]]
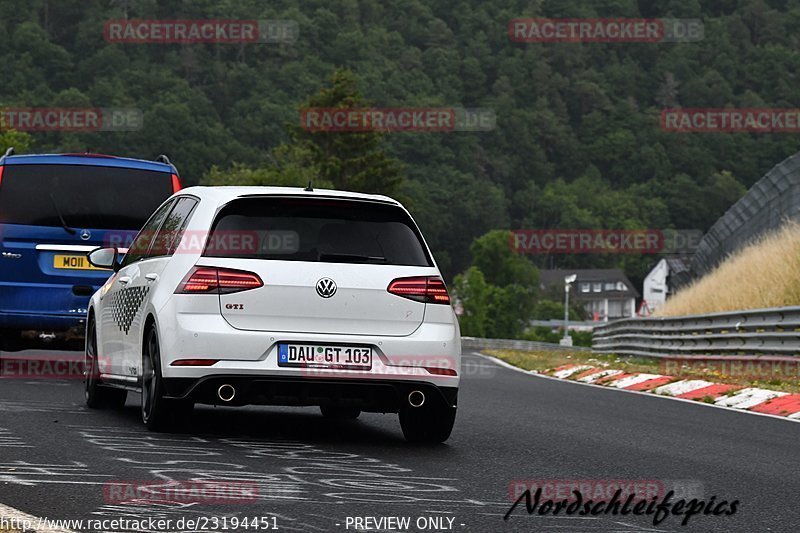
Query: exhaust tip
[[416, 398], [226, 392]]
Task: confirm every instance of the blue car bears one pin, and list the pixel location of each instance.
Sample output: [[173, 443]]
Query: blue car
[[54, 209]]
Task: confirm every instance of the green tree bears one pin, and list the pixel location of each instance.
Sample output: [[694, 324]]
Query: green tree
[[341, 160], [498, 291], [19, 140], [494, 256], [474, 294], [354, 161]]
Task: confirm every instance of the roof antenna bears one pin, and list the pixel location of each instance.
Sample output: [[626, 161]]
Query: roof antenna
[[9, 152], [309, 187]]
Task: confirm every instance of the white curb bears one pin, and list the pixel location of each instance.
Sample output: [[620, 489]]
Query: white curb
[[591, 378], [746, 398], [633, 380], [567, 372], [682, 387]]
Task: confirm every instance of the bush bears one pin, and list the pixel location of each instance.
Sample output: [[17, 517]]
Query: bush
[[545, 334]]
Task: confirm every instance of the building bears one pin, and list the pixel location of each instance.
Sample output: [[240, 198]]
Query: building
[[606, 294], [666, 277]]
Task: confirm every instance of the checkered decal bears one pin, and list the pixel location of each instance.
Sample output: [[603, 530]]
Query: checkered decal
[[125, 304]]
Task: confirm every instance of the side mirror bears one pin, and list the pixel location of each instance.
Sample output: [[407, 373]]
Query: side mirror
[[104, 258]]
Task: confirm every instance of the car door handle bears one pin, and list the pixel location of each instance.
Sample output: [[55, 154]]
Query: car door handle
[[125, 280], [151, 277]]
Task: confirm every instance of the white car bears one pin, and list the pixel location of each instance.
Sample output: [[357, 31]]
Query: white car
[[276, 296]]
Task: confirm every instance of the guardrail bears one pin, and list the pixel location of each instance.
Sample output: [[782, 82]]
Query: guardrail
[[774, 331], [475, 343]]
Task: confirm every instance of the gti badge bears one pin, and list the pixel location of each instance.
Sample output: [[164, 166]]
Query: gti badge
[[86, 234], [326, 287]]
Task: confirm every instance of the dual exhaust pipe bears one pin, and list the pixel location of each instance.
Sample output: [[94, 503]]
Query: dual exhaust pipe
[[227, 393], [416, 398]]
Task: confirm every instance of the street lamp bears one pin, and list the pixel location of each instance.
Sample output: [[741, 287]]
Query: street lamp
[[568, 281]]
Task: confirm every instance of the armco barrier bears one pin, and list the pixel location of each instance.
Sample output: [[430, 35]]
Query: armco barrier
[[474, 343], [769, 332]]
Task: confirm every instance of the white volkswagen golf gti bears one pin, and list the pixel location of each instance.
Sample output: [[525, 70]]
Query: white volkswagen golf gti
[[276, 296]]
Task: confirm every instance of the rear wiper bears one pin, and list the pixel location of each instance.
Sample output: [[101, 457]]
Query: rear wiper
[[61, 217], [351, 258]]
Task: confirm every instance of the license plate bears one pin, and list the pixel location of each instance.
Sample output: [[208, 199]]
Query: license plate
[[327, 356], [74, 262]]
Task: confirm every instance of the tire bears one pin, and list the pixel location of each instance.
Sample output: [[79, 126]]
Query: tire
[[158, 413], [98, 396], [340, 413], [430, 423]]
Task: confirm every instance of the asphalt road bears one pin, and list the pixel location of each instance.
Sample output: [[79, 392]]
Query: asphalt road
[[58, 459]]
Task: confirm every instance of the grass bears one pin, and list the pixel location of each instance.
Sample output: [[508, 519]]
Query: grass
[[545, 360], [763, 274], [541, 361]]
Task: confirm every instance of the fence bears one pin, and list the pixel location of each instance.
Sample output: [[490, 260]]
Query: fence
[[773, 199], [770, 332]]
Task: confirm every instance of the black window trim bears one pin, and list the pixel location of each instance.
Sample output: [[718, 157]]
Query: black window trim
[[414, 227], [171, 199], [4, 163], [155, 236]]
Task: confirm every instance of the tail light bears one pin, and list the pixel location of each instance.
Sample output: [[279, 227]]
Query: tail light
[[176, 183], [427, 289], [1, 174], [205, 280]]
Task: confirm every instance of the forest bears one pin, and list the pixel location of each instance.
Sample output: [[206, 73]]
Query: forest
[[577, 141]]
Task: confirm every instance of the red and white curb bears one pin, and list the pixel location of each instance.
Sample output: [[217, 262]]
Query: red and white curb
[[723, 395]]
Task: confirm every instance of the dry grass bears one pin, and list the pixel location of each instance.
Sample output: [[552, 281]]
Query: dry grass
[[763, 274]]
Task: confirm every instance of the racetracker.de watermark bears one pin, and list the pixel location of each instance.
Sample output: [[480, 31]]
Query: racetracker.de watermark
[[222, 31], [604, 241], [240, 243], [45, 366], [604, 489], [762, 369], [605, 30], [716, 120], [71, 119], [396, 119], [215, 492], [323, 363]]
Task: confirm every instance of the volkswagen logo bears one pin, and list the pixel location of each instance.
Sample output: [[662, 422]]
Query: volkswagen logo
[[326, 287], [86, 234]]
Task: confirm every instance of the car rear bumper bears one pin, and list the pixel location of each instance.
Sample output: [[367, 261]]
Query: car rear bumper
[[386, 396], [44, 306], [416, 357], [42, 321]]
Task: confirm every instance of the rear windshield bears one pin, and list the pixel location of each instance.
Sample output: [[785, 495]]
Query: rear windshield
[[321, 230], [86, 196]]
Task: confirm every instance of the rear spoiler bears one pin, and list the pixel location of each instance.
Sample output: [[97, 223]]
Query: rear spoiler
[[176, 182]]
